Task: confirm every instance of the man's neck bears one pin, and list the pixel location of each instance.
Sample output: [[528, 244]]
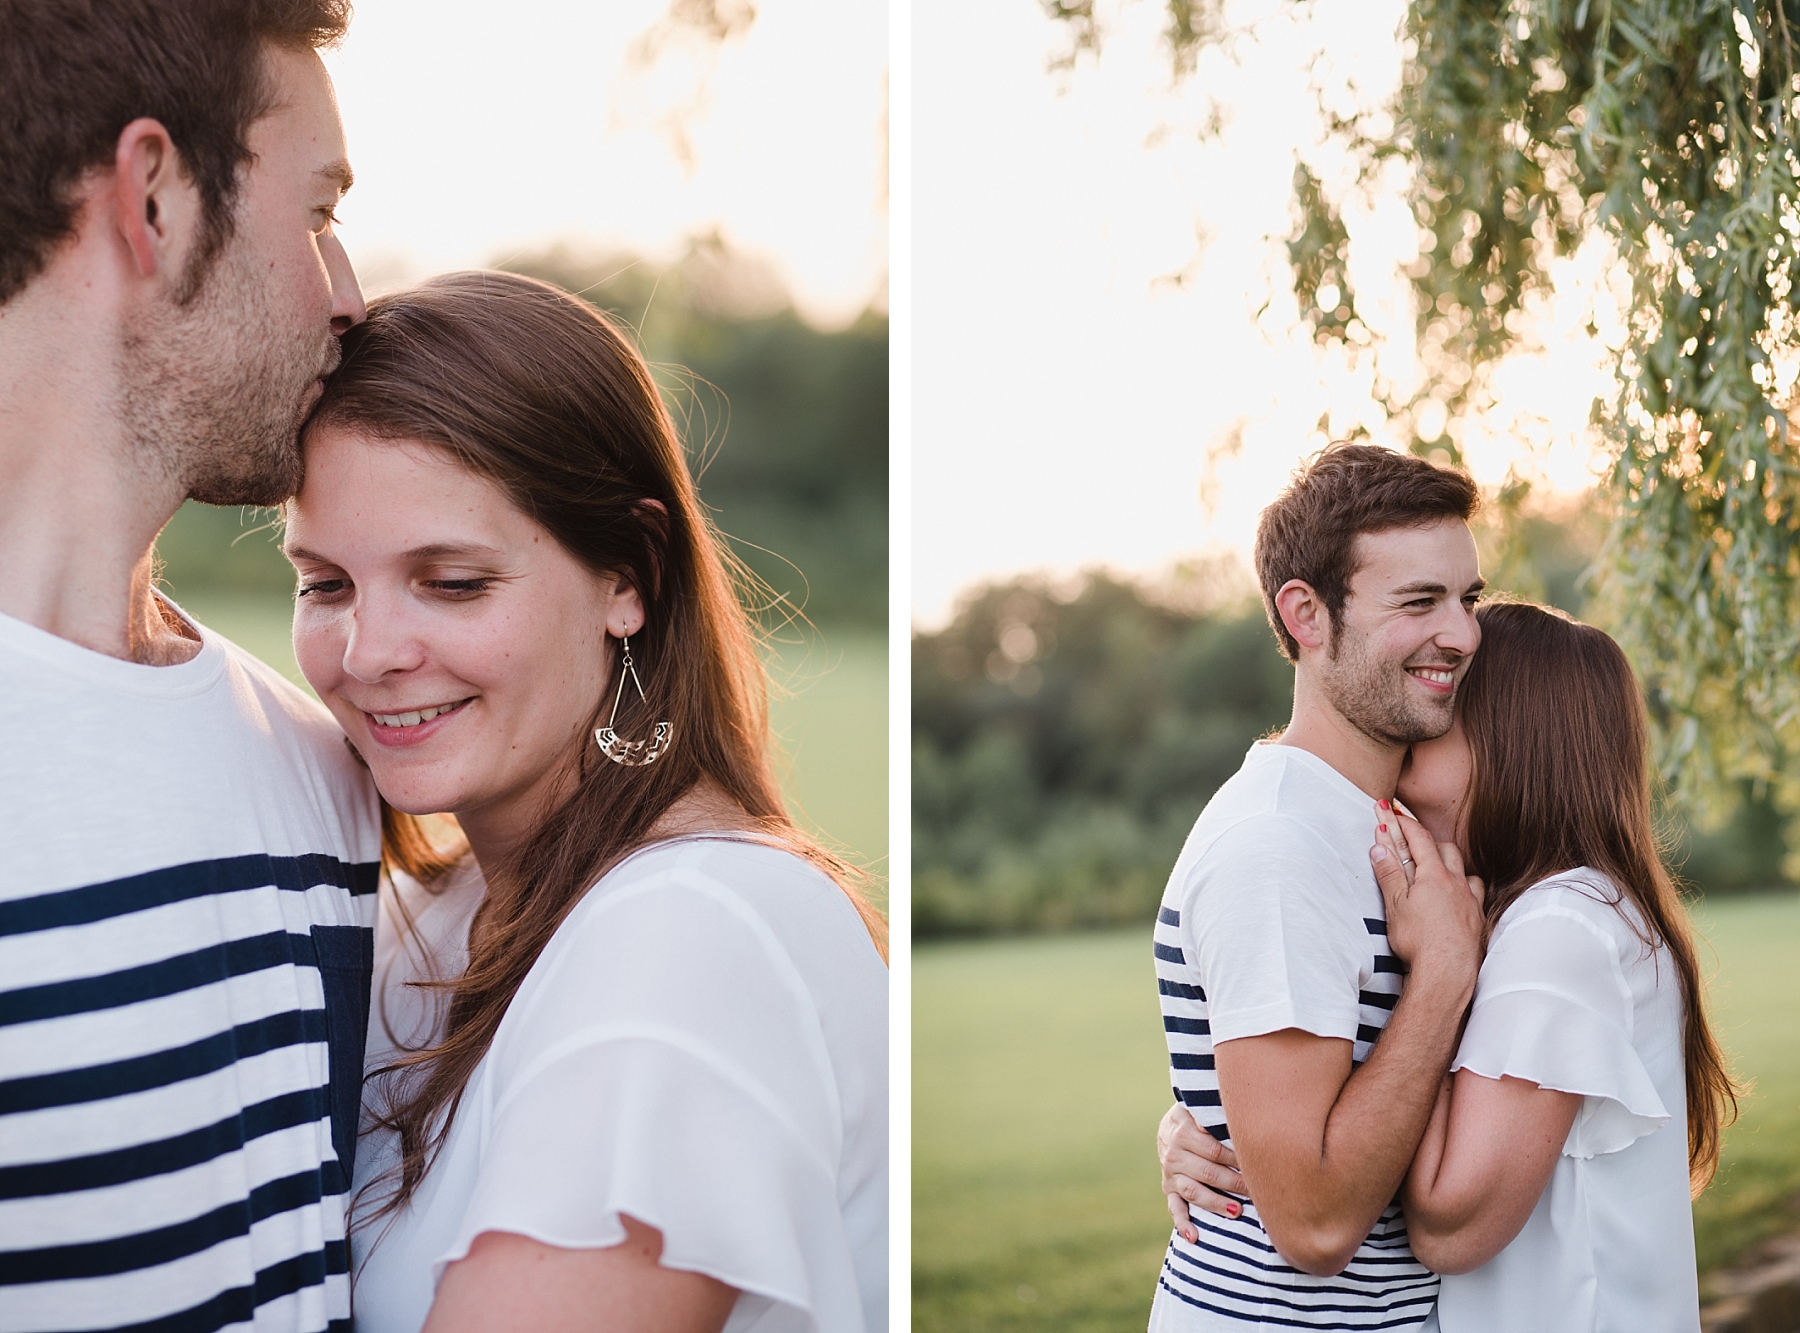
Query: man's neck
[[78, 512], [78, 509], [1318, 728]]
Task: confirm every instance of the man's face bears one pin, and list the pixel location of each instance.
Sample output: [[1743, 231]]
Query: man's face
[[217, 387], [1408, 631]]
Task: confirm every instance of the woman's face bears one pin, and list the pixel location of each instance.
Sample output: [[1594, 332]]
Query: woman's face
[[460, 647], [1434, 783]]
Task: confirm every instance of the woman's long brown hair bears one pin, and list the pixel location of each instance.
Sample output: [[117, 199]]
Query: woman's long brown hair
[[1561, 780], [539, 393]]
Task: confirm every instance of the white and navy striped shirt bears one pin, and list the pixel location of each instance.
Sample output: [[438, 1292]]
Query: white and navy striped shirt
[[186, 932], [1272, 920]]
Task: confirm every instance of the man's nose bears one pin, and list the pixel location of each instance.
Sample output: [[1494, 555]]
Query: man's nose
[[348, 308]]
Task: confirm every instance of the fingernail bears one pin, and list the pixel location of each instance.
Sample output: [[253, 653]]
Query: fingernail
[[1382, 827], [1385, 805], [1233, 1209], [1378, 853]]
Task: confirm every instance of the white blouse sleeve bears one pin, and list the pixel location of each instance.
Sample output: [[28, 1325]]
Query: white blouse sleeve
[[1553, 1007], [670, 1063]]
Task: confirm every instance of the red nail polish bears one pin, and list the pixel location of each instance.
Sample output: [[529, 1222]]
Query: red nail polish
[[1385, 805], [1233, 1209], [1382, 827]]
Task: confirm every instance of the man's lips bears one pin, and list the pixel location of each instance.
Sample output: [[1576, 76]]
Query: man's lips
[[1440, 679]]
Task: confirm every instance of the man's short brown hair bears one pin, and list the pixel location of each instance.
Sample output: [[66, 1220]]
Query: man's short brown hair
[[75, 73], [1310, 532]]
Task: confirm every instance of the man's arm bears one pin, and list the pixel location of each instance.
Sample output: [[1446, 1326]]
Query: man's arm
[[1324, 1146]]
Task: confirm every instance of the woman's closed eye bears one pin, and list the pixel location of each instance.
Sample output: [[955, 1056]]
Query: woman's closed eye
[[324, 590], [458, 589]]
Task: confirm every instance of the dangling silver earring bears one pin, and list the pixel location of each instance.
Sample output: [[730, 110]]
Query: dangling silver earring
[[623, 751]]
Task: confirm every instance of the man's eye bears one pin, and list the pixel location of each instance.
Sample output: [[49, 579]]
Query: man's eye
[[323, 588]]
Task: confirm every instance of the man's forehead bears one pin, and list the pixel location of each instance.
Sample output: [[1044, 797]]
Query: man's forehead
[[1441, 552], [302, 118]]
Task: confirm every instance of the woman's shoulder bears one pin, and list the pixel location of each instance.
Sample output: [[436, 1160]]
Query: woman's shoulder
[[739, 903], [1585, 895]]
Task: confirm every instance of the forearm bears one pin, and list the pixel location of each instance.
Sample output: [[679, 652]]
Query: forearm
[[1485, 1161], [1319, 1211]]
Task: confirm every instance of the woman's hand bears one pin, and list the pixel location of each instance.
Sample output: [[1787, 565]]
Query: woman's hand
[[1434, 909], [1195, 1168]]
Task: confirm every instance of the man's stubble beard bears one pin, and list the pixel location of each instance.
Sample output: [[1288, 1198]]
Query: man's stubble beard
[[215, 390], [1373, 696]]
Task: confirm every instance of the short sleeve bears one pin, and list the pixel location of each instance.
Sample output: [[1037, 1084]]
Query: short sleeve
[[1275, 939], [1552, 1007], [671, 1065]]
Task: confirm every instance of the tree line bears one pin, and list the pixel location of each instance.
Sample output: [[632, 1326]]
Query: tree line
[[1066, 736]]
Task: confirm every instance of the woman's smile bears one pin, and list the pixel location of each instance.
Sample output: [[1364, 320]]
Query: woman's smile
[[411, 726]]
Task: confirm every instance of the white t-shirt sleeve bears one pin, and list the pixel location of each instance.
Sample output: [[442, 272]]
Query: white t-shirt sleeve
[[1270, 930], [1553, 1007], [703, 1103]]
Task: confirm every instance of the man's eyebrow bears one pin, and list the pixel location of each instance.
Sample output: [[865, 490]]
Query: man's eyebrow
[[1434, 589], [339, 173]]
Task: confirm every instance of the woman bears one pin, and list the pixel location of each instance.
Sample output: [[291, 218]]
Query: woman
[[1552, 1189], [630, 1054]]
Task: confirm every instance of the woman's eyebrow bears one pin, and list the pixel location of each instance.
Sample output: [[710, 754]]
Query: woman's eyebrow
[[433, 551]]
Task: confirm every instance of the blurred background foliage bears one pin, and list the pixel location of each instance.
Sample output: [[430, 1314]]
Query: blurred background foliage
[[786, 427], [1066, 735], [1660, 136]]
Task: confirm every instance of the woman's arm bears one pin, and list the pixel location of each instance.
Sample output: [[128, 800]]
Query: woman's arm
[[508, 1282], [1483, 1164]]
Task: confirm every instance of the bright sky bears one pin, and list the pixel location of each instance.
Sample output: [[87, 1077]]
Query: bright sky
[[1067, 390], [479, 130]]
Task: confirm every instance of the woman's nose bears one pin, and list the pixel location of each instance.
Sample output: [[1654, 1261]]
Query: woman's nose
[[380, 645]]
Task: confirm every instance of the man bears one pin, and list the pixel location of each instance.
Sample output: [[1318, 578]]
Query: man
[[1278, 964], [186, 897]]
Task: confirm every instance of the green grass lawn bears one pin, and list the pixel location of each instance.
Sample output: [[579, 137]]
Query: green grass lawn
[[830, 712], [1038, 1078]]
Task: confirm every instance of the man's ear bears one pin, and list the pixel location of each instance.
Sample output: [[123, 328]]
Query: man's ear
[[1304, 613], [156, 206]]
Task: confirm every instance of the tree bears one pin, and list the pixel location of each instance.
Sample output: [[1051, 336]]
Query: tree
[[1665, 129]]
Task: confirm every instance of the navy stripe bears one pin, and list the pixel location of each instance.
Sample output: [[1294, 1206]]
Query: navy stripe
[[1179, 1060], [1376, 1000], [167, 976], [1374, 927], [1263, 1317], [1170, 954], [1168, 916], [1366, 1033], [1220, 1132], [1388, 963], [1420, 1277], [142, 1160], [1193, 1027], [124, 1254], [238, 1306], [161, 1068], [197, 879], [1199, 1096], [1179, 991]]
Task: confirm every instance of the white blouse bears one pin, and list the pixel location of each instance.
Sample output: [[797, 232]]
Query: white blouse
[[1571, 998], [702, 1045]]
